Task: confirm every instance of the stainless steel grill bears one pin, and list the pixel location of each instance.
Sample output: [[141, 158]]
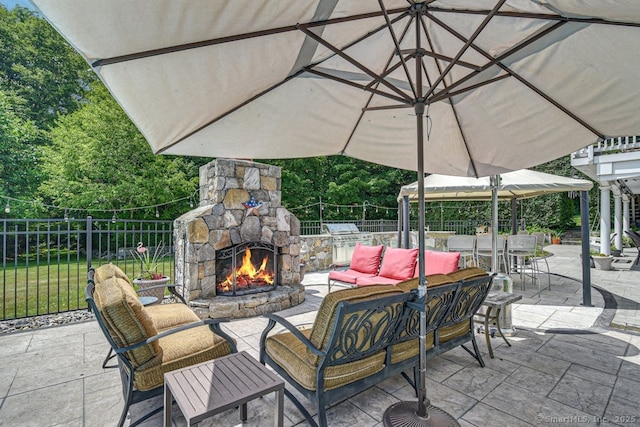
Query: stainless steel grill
[[345, 236]]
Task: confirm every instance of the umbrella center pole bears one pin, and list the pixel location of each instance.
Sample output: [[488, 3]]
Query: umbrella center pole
[[422, 287], [420, 413]]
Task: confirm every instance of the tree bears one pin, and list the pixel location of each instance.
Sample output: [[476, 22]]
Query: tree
[[340, 181], [41, 74], [99, 163], [20, 142]]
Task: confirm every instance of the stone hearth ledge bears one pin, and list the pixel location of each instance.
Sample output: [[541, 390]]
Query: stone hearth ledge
[[250, 305]]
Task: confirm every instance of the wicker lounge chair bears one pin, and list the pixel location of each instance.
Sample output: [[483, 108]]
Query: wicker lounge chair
[[149, 341]]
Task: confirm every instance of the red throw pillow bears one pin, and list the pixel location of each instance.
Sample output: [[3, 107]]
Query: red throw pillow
[[398, 263], [436, 262], [366, 259]]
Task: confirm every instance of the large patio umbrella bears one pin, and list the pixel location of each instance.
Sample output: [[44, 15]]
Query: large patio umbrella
[[481, 87]]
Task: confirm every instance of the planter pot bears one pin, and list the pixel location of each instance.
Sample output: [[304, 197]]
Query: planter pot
[[616, 252], [155, 292], [603, 262], [556, 241]]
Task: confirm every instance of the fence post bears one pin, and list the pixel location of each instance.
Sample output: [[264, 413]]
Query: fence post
[[89, 241]]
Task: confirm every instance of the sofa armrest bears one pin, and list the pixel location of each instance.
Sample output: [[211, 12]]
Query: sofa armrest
[[214, 325], [273, 319], [336, 266]]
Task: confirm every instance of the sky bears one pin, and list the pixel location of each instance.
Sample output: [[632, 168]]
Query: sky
[[10, 4]]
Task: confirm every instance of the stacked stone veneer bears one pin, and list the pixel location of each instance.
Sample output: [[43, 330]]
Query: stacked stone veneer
[[222, 221]]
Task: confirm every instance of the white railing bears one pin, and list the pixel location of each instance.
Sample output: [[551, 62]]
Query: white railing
[[621, 143]]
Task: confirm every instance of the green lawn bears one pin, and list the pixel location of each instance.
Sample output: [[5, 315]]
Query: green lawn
[[36, 290]]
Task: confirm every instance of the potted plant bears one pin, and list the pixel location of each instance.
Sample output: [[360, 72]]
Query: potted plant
[[615, 251], [149, 277], [602, 261], [555, 237]]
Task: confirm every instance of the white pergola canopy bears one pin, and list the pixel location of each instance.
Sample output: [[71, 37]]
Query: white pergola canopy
[[521, 184]]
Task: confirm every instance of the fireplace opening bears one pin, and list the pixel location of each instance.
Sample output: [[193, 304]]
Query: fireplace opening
[[246, 268]]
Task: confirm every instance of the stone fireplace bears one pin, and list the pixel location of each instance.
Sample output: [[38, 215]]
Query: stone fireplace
[[238, 253]]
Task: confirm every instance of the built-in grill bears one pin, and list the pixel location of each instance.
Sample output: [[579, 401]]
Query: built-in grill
[[345, 236]]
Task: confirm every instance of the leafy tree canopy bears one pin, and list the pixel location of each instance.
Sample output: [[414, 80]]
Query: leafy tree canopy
[[19, 155], [99, 162], [39, 71], [340, 182]]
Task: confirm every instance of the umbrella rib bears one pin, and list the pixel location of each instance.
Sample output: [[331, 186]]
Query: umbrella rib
[[543, 16], [446, 94], [395, 67], [411, 52], [387, 107], [307, 69], [237, 37], [523, 80], [466, 45], [552, 101], [355, 126], [356, 85], [397, 45], [226, 113], [391, 69], [369, 34], [370, 85], [492, 61], [353, 62], [453, 107]]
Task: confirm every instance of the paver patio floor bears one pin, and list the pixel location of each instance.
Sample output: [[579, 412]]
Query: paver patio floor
[[568, 364]]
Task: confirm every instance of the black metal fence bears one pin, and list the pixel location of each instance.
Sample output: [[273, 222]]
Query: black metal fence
[[44, 261], [385, 225]]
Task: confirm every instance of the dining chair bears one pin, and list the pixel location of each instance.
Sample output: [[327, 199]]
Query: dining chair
[[465, 244], [540, 241], [484, 249], [522, 248]]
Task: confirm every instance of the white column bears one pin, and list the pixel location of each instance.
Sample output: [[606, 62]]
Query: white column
[[617, 217], [605, 218], [625, 213]]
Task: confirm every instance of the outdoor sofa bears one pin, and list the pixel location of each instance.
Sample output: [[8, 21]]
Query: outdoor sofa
[[376, 265], [364, 335]]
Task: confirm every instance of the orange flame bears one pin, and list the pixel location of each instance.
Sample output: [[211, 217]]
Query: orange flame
[[247, 273]]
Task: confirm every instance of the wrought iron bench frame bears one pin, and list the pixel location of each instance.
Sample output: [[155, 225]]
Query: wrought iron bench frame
[[445, 305]]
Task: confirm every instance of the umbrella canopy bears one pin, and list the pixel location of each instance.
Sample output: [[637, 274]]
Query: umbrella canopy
[[507, 84], [521, 184]]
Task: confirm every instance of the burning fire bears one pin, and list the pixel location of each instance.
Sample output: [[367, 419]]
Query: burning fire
[[247, 274]]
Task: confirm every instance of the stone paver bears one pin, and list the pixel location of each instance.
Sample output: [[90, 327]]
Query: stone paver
[[564, 367]]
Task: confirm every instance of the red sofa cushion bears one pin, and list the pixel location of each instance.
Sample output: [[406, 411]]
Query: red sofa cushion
[[398, 263], [348, 276], [376, 280], [366, 259], [437, 262]]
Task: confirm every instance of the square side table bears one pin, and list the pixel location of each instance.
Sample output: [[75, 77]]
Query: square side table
[[212, 387]]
